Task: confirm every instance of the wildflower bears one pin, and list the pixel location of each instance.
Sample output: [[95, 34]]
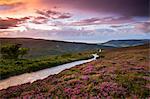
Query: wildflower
[[88, 69], [85, 77], [110, 88], [72, 91]]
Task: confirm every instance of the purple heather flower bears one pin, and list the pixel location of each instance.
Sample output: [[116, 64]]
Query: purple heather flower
[[108, 88], [88, 69], [85, 77]]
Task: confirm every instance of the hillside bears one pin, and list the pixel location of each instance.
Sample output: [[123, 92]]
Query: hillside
[[39, 47], [125, 43], [119, 73]]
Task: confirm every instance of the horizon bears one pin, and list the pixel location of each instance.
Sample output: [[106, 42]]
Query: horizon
[[68, 40], [75, 21]]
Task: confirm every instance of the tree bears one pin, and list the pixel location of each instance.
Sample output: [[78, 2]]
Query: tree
[[13, 51], [23, 51]]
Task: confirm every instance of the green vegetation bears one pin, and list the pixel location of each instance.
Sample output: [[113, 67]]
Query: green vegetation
[[10, 67], [13, 51]]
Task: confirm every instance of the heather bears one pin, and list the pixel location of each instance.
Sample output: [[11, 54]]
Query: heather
[[119, 74]]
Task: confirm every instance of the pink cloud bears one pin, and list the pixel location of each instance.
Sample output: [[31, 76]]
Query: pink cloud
[[54, 14], [11, 22]]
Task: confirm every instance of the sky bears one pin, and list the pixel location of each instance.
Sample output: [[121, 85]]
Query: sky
[[90, 21]]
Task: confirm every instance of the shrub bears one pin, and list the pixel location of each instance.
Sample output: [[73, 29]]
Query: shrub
[[13, 51]]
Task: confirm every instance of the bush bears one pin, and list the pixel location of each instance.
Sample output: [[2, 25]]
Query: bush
[[13, 51]]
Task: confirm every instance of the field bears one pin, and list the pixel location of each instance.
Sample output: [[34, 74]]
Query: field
[[119, 73]]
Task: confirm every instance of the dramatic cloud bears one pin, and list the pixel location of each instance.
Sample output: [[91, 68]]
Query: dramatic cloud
[[11, 22], [54, 14], [39, 20], [75, 20], [124, 7]]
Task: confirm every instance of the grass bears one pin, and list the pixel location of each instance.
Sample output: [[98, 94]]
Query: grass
[[14, 67]]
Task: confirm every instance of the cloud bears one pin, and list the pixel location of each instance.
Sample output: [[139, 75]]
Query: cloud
[[123, 7], [54, 14], [11, 22], [64, 16], [143, 26], [90, 21], [105, 20], [39, 20], [4, 7]]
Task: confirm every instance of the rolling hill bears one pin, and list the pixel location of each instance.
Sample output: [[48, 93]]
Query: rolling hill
[[40, 47], [125, 43]]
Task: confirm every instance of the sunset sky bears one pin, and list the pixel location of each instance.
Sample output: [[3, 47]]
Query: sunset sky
[[75, 20]]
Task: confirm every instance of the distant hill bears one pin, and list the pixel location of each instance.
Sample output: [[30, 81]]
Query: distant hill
[[125, 43], [40, 47]]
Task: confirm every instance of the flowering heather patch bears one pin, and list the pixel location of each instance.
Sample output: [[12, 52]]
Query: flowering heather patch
[[88, 69], [146, 78], [85, 77], [73, 91], [27, 96], [111, 89], [120, 75]]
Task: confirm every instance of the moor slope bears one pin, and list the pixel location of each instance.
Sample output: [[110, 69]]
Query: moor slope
[[119, 73], [40, 47]]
